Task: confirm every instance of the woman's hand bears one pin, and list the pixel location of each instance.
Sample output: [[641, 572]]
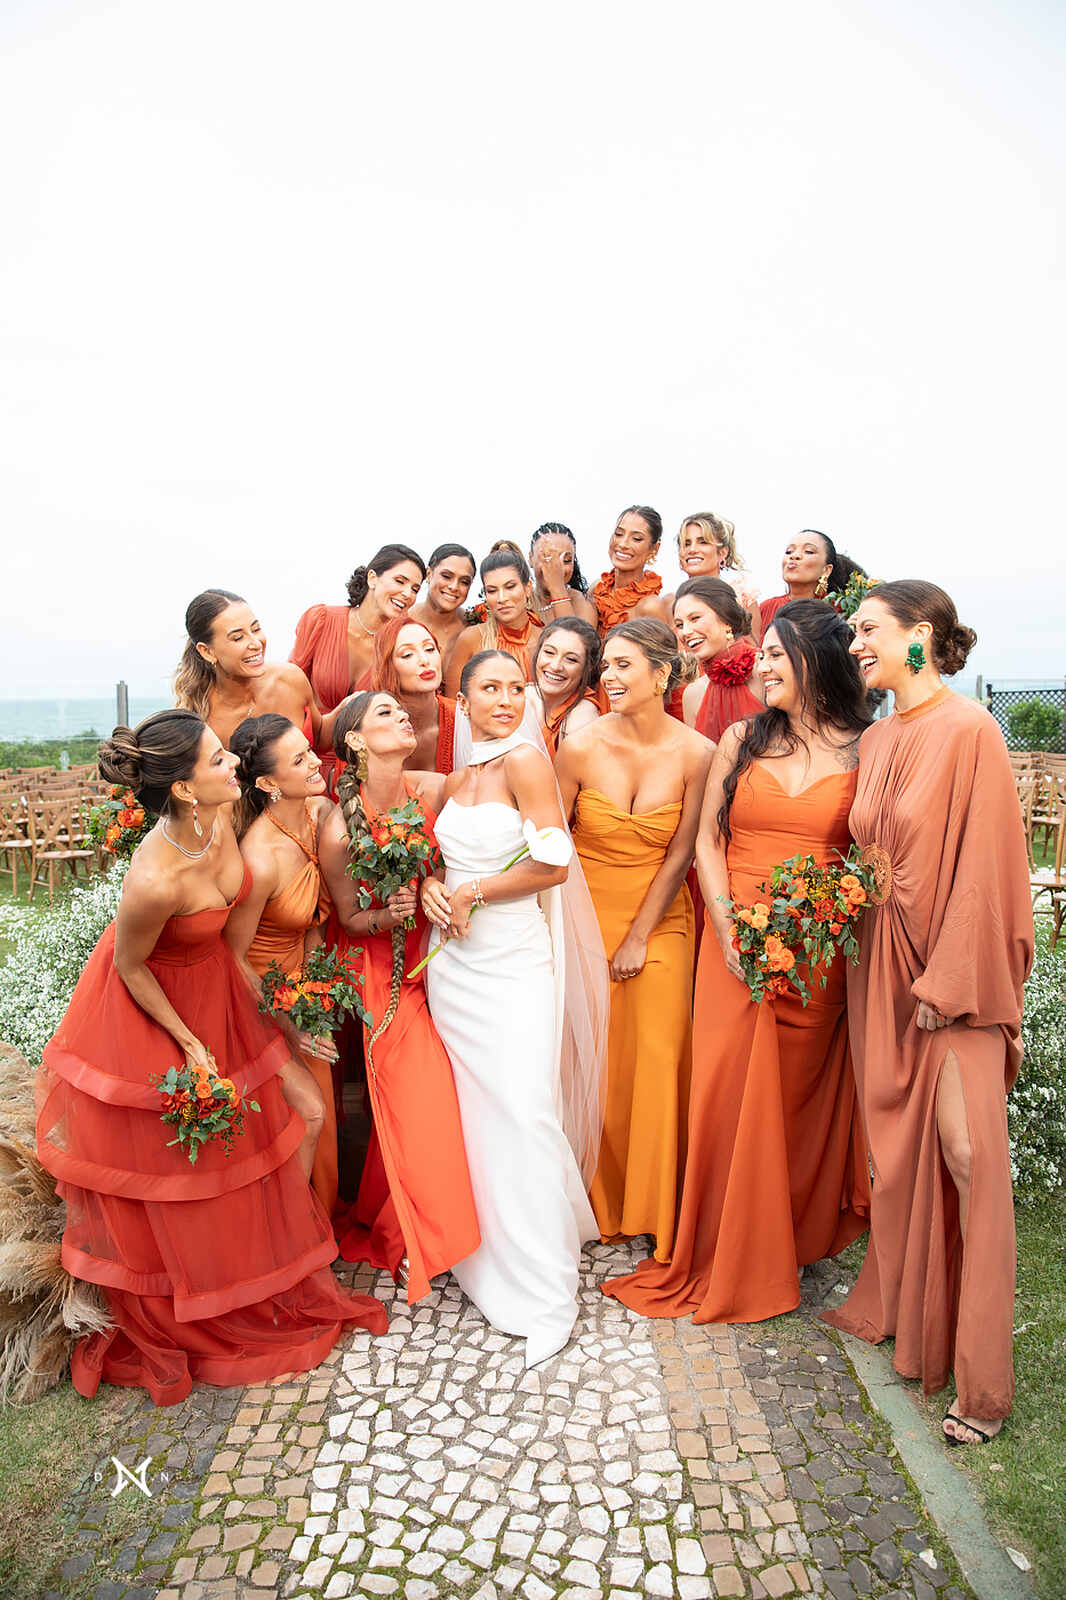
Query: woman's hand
[[629, 958], [930, 1019], [462, 904], [198, 1056], [401, 905], [548, 567], [321, 1047], [436, 903], [723, 929]]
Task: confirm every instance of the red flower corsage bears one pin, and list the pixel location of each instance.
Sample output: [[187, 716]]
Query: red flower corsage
[[733, 666]]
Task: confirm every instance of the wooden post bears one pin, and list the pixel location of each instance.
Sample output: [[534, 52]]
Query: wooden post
[[122, 703]]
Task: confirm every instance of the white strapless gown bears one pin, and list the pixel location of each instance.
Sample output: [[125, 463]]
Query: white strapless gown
[[492, 997]]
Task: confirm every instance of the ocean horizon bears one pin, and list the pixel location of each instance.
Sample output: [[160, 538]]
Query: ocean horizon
[[64, 719]]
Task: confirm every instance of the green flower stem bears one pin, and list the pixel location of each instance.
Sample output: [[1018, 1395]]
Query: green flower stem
[[427, 959]]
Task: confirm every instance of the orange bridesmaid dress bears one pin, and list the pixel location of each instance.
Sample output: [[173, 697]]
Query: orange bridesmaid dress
[[279, 941], [415, 1197], [215, 1273], [776, 1174], [642, 1153]]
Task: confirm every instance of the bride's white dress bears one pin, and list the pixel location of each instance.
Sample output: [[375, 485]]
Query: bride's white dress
[[492, 997]]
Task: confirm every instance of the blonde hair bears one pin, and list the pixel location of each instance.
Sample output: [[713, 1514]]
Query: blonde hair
[[718, 530]]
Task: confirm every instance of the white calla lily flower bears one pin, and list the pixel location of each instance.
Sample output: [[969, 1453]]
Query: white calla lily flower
[[550, 845]]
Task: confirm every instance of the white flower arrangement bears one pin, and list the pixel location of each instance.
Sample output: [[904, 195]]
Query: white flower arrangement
[[1036, 1107], [51, 948]]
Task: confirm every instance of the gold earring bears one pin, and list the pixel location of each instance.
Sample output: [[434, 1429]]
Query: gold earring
[[728, 636], [821, 588]]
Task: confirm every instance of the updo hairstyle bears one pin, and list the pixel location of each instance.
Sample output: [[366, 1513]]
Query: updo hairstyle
[[453, 552], [195, 677], [475, 663], [656, 642], [389, 556], [253, 744], [721, 598], [650, 516], [911, 600], [159, 752], [382, 663]]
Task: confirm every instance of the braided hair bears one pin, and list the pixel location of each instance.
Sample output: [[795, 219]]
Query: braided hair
[[253, 744], [577, 577]]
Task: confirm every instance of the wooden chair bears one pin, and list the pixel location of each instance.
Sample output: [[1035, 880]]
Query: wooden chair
[[1055, 886], [55, 831], [1029, 785], [1046, 815], [15, 844]]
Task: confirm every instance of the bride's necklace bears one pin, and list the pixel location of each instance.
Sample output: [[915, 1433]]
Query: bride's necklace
[[193, 855]]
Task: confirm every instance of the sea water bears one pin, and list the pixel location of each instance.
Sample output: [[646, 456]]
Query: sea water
[[62, 719]]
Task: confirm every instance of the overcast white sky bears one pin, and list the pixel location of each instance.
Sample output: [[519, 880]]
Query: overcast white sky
[[281, 282]]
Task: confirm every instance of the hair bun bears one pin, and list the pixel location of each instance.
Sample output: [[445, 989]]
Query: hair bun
[[120, 758], [956, 648]]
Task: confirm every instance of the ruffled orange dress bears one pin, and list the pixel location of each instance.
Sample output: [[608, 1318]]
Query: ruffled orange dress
[[415, 1197], [938, 809], [649, 1046], [279, 941], [215, 1273], [776, 1174], [616, 605]]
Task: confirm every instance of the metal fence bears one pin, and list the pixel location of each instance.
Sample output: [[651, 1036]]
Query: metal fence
[[1034, 731]]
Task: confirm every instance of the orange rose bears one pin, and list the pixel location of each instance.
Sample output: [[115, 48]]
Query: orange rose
[[398, 831], [857, 896], [380, 835], [773, 944], [849, 881], [137, 820], [284, 997], [203, 1089], [744, 915], [760, 918], [414, 838], [327, 1003], [835, 927]]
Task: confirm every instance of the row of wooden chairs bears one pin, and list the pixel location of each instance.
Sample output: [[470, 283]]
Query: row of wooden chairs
[[45, 836], [1040, 778]]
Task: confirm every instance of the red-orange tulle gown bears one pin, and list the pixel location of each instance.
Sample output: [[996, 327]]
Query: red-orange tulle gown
[[215, 1273], [414, 1197], [776, 1175]]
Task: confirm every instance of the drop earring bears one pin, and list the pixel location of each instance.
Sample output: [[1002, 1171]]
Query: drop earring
[[821, 588], [196, 828], [915, 658]]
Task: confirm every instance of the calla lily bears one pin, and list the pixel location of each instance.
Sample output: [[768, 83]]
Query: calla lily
[[551, 846]]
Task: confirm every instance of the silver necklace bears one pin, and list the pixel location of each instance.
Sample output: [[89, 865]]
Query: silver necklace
[[193, 855], [370, 632]]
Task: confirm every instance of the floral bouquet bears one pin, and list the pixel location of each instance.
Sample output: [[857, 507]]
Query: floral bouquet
[[200, 1106], [809, 913], [318, 1000], [119, 823], [393, 850], [550, 845], [848, 600], [477, 614]]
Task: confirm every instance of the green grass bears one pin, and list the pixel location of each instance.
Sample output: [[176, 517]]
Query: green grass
[[79, 747]]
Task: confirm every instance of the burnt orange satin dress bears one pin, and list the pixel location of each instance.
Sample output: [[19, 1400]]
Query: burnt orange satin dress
[[649, 1045], [279, 941], [938, 807], [776, 1173], [216, 1273]]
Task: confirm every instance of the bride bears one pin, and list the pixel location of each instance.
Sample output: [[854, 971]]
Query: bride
[[529, 1088]]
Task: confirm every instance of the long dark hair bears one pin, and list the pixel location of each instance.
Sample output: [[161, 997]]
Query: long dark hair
[[817, 643], [389, 556], [253, 742], [577, 577], [590, 672], [195, 677]]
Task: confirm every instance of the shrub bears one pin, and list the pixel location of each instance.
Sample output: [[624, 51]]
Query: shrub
[[1035, 725], [51, 948], [1036, 1107]]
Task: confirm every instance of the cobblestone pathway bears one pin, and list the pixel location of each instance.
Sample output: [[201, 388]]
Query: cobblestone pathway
[[648, 1459]]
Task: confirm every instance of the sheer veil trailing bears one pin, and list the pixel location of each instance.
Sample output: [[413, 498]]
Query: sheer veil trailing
[[582, 991]]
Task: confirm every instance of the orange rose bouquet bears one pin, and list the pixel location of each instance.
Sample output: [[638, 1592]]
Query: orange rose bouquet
[[392, 851], [790, 938], [201, 1106], [319, 998], [119, 823]]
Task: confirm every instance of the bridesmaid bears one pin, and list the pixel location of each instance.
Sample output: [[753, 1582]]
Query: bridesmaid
[[565, 674], [407, 665], [776, 1173], [936, 1003], [713, 626], [216, 1273], [626, 589], [281, 919], [224, 676], [811, 568], [707, 548], [634, 780], [452, 570], [559, 589], [414, 1213], [510, 625]]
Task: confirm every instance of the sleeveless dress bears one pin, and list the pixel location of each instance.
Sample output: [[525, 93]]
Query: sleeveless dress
[[279, 940], [642, 1155], [493, 998], [776, 1173], [415, 1198], [215, 1273]]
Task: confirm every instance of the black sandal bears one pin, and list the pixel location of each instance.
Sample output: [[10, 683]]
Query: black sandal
[[953, 1443]]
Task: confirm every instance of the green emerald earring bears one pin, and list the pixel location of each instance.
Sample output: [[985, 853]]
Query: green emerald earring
[[915, 658]]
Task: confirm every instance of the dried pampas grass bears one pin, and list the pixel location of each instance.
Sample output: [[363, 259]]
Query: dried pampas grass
[[43, 1310]]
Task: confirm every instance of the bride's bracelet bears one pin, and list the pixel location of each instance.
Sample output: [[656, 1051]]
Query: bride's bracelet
[[479, 898]]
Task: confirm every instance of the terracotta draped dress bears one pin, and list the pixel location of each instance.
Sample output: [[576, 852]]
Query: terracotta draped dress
[[776, 1173], [769, 608], [937, 807], [279, 940], [215, 1273], [321, 650], [415, 1197], [642, 1154]]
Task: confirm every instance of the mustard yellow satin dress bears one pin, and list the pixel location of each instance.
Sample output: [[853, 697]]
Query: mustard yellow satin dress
[[642, 1155]]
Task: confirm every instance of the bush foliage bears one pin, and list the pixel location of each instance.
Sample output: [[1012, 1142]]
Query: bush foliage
[[1035, 725], [1036, 1108]]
